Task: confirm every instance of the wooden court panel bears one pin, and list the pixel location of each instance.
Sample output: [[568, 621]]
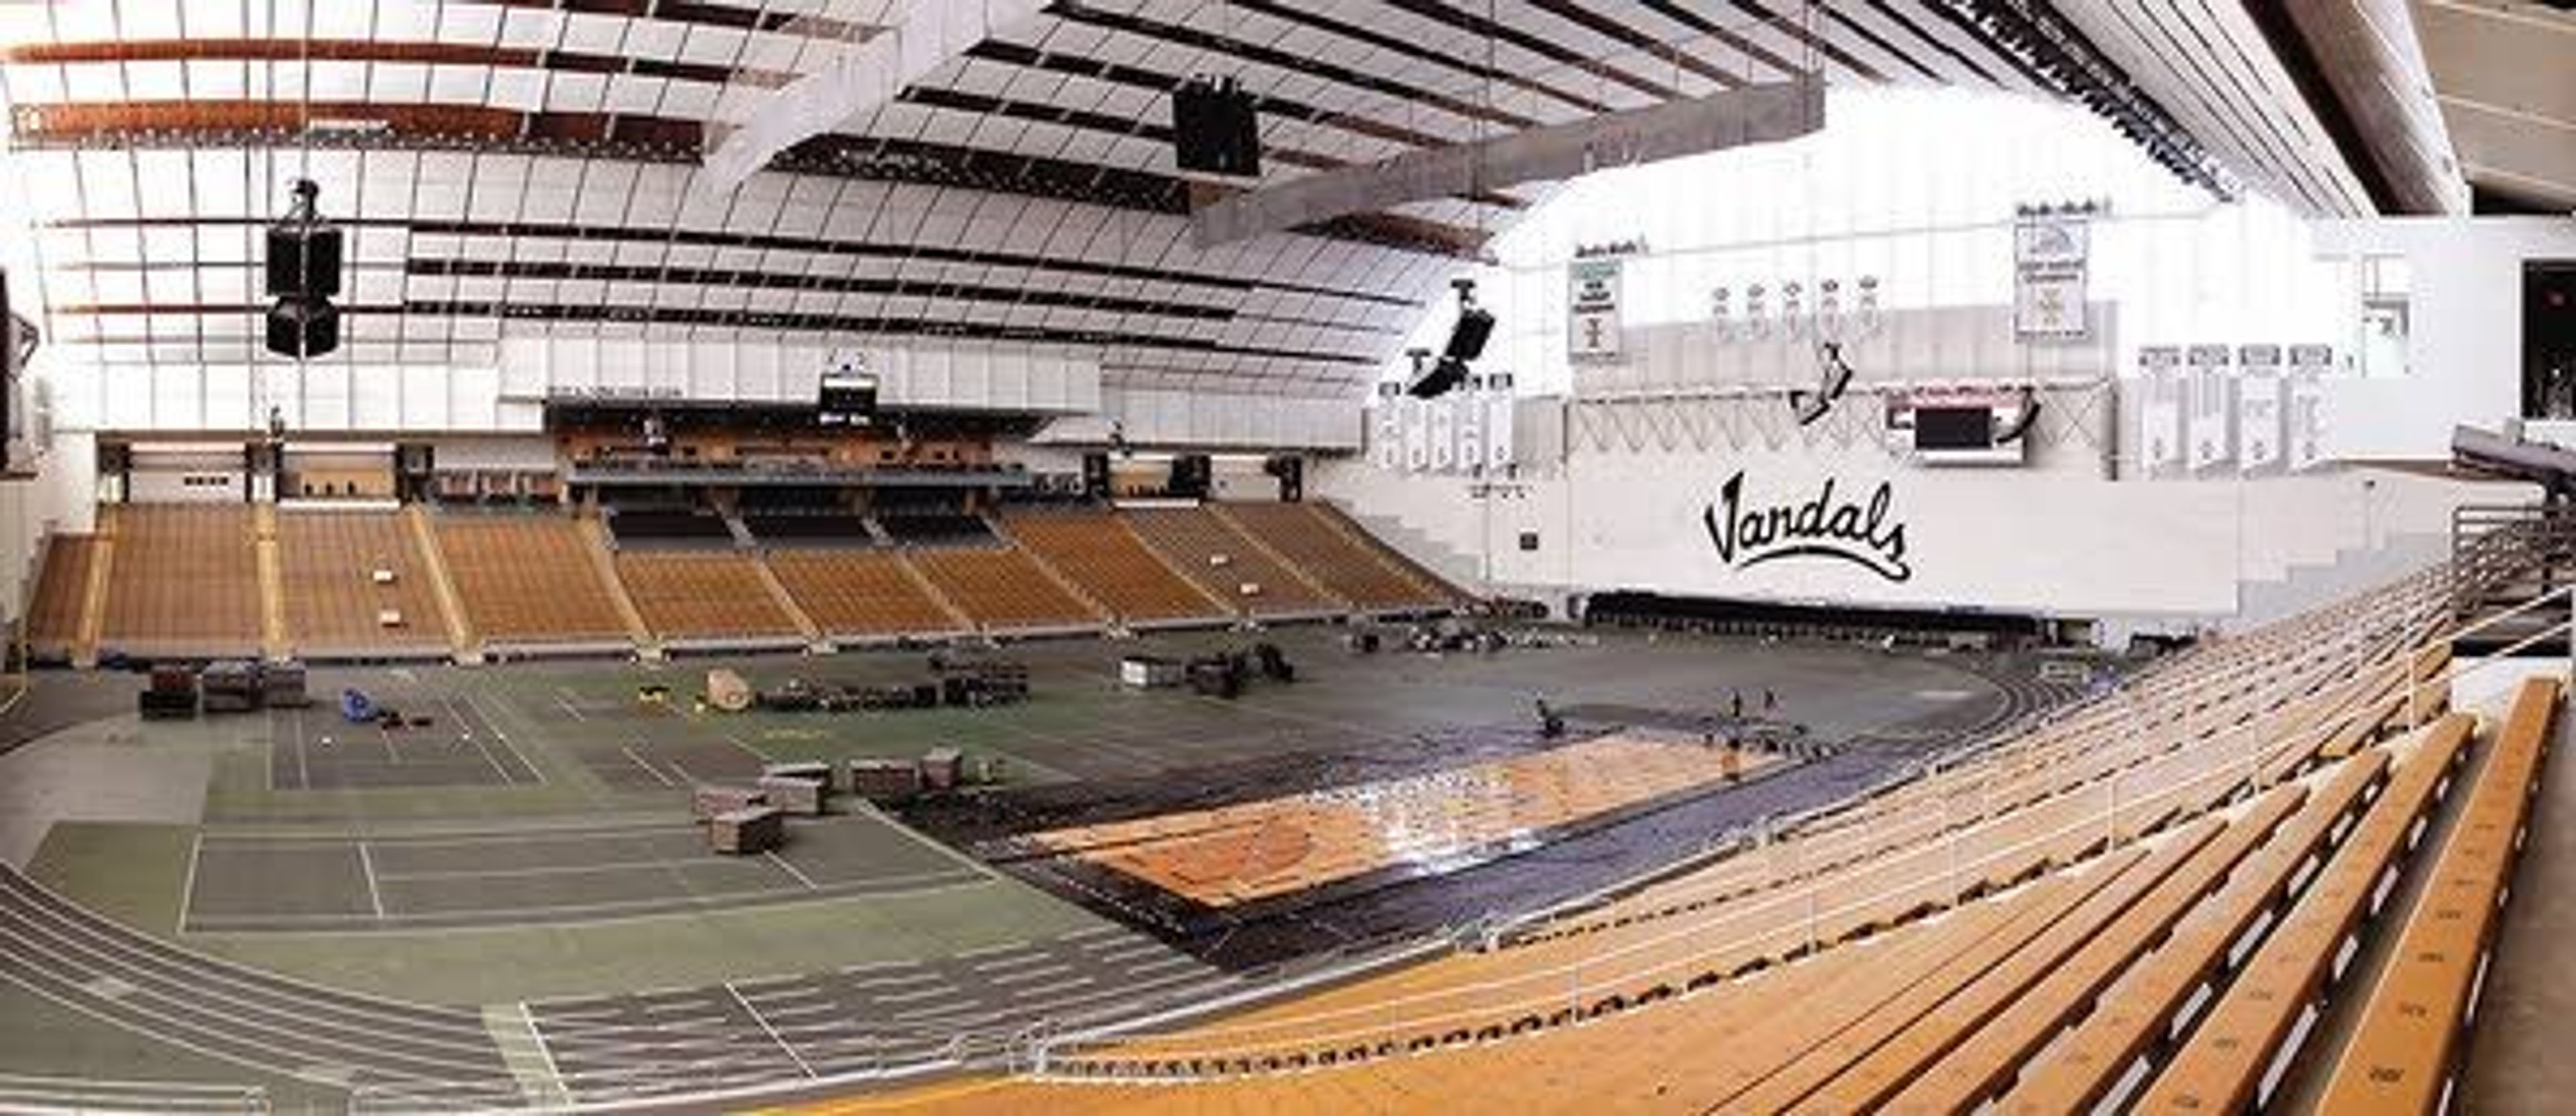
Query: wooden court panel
[[1278, 846]]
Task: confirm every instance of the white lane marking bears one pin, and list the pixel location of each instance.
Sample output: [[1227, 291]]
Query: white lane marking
[[648, 768], [790, 869], [766, 1029], [374, 897], [188, 889]]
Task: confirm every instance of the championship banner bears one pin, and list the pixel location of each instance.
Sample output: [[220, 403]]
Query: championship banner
[[2160, 418], [2258, 407], [1389, 433], [2049, 254], [2306, 440], [2213, 407], [1417, 439], [1471, 432], [1592, 330], [1444, 445]]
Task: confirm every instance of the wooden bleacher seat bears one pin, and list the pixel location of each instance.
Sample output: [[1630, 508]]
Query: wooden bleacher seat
[[702, 595], [528, 578], [61, 593], [1001, 589], [2223, 1062], [858, 593], [327, 564], [2401, 1057], [185, 581], [1223, 561], [1096, 551], [1301, 534]]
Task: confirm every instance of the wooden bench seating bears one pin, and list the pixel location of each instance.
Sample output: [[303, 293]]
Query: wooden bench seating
[[185, 581], [1301, 534], [1222, 560], [1864, 1061], [858, 593], [1002, 589], [61, 595], [2401, 1057], [1097, 552], [2088, 1061], [1973, 1062], [528, 578], [2223, 1063], [702, 595], [327, 564]]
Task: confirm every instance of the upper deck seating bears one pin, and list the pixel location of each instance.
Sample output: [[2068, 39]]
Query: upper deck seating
[[936, 528], [185, 580], [1097, 552], [327, 564], [682, 530], [1225, 562], [808, 529], [528, 578]]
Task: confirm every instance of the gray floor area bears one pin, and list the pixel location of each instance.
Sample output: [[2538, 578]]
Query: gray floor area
[[241, 883]]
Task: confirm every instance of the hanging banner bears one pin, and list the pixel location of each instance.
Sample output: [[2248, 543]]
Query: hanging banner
[[2213, 407], [2305, 441], [1471, 433], [1444, 444], [2160, 418], [1417, 438], [1592, 330], [2258, 407], [1388, 437], [2049, 254], [1499, 426]]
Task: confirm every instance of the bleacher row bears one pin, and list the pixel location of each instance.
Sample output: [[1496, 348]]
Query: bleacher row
[[229, 580], [2141, 905]]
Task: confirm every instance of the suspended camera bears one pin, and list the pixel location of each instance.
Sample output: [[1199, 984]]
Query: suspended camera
[[304, 258]]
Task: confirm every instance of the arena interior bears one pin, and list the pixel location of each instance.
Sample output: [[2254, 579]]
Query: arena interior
[[1337, 556]]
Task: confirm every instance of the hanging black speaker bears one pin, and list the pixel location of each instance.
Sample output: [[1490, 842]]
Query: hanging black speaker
[[1216, 128], [304, 253], [1467, 338], [1445, 376], [303, 274], [303, 329]]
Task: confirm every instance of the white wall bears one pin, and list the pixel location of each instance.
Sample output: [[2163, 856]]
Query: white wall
[[2465, 360], [1998, 539]]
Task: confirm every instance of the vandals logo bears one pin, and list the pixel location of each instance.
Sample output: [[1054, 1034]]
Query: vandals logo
[[1860, 534]]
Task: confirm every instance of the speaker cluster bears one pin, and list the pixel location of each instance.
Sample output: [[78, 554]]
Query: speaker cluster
[[1215, 128], [304, 262], [1435, 378]]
